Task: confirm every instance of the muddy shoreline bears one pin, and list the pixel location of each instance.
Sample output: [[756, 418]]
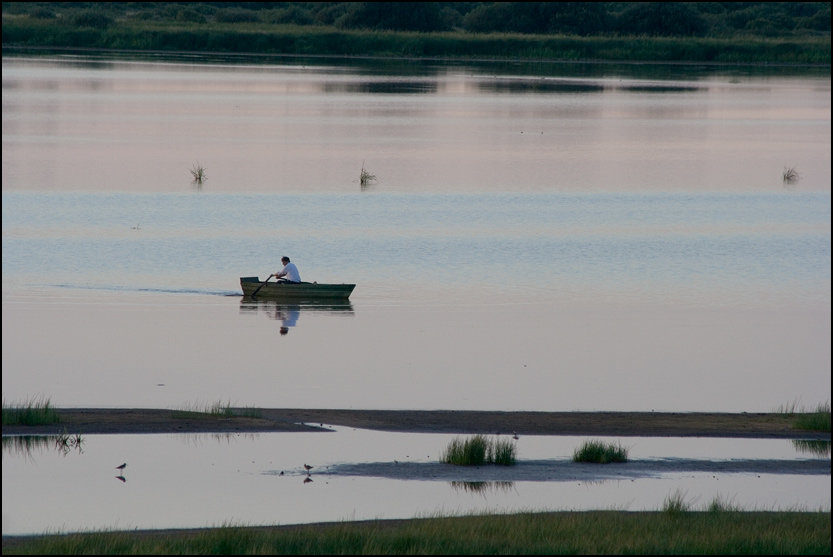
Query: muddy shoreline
[[638, 424]]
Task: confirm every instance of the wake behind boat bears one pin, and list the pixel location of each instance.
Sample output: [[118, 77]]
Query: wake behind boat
[[254, 287]]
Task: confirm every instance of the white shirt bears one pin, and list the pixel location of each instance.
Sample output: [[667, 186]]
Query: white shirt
[[291, 271]]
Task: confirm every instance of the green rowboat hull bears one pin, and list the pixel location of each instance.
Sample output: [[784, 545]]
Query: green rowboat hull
[[295, 290]]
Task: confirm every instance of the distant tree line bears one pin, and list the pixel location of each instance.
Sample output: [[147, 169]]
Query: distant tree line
[[583, 19]]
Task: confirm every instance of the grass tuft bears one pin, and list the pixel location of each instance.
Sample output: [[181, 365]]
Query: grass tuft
[[600, 453], [818, 420], [366, 178], [814, 420], [36, 411], [721, 505], [790, 175], [675, 504], [478, 450], [198, 173]]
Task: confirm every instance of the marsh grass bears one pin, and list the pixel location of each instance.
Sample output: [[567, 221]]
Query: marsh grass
[[600, 453], [813, 420], [720, 505], [818, 420], [198, 173], [366, 178], [675, 503], [479, 450], [790, 175], [35, 411], [217, 409], [550, 533]]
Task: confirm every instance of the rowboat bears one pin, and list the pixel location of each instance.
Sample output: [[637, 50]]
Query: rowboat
[[254, 287]]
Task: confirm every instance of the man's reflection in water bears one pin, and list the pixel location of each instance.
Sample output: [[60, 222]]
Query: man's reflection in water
[[288, 315]]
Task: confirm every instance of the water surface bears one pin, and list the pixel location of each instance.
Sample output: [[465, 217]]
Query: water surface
[[188, 481], [538, 238]]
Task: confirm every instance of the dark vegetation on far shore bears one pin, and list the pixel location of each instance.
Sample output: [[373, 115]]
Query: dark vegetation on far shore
[[794, 33]]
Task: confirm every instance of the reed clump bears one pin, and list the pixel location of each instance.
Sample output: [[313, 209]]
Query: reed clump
[[675, 504], [35, 411], [366, 178], [600, 453], [818, 420], [808, 420], [790, 175], [479, 450], [721, 505], [198, 173]]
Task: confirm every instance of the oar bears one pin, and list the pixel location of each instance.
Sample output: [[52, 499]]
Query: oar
[[261, 286]]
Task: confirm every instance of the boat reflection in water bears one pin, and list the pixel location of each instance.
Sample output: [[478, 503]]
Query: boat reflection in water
[[288, 313]]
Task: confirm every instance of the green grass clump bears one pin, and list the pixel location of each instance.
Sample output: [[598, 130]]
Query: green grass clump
[[814, 420], [547, 533], [36, 411], [676, 504], [198, 173], [478, 450], [721, 505], [366, 178], [819, 420], [600, 453]]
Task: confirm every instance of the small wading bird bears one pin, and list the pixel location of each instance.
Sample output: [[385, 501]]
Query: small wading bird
[[307, 467], [121, 467]]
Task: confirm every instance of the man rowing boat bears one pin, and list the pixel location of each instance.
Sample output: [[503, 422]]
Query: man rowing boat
[[289, 272]]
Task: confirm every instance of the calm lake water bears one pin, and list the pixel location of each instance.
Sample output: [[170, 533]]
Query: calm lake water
[[544, 237], [187, 481], [532, 242]]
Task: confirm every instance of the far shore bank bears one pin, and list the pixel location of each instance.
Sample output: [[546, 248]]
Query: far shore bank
[[636, 424]]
